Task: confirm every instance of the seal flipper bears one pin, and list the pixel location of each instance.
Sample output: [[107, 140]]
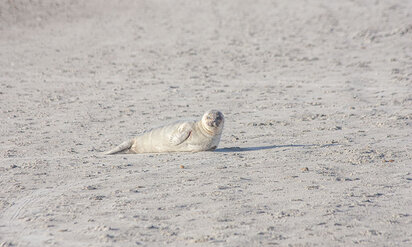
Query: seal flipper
[[125, 146], [180, 134]]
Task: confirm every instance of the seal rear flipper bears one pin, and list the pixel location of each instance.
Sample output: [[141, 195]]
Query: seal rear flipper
[[122, 148]]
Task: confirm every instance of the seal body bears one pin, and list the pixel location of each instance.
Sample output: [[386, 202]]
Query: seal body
[[192, 136]]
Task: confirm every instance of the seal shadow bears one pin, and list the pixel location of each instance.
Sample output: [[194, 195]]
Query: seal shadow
[[248, 149]]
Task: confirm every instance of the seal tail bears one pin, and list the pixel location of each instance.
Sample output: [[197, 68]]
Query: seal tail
[[122, 147]]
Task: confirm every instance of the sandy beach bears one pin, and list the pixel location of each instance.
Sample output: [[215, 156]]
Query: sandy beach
[[316, 148]]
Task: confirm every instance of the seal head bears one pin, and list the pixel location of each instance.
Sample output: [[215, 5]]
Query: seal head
[[212, 121]]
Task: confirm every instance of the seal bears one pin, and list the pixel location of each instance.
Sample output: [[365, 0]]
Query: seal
[[195, 136]]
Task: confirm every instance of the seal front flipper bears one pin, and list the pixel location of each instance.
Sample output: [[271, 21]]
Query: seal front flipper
[[122, 147], [180, 134]]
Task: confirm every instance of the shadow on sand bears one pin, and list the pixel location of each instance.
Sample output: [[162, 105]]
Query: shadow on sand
[[247, 149]]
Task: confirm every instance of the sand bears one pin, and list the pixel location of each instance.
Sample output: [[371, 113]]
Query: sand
[[316, 149]]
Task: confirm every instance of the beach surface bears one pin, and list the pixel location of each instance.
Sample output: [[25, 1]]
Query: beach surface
[[316, 148]]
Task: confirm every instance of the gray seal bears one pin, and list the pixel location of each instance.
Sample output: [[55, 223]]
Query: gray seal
[[194, 136]]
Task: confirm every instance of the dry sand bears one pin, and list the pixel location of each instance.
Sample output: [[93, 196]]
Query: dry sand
[[316, 149]]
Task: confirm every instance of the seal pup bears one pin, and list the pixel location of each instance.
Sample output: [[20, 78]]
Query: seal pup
[[194, 136]]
